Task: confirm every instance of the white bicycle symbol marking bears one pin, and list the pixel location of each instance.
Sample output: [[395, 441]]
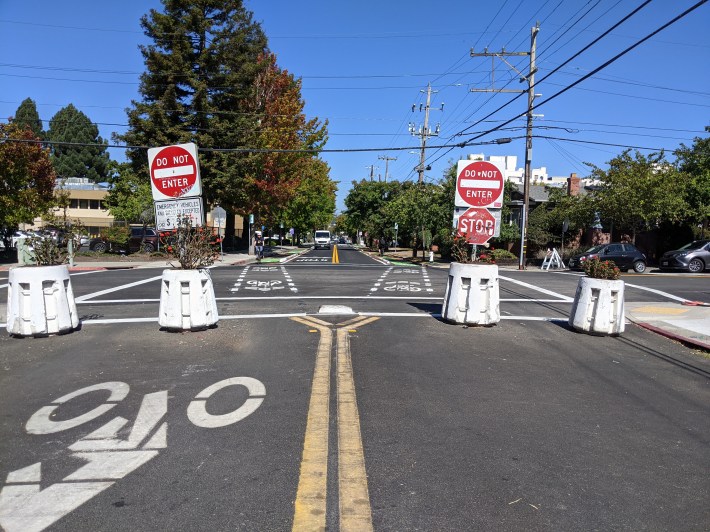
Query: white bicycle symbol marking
[[26, 507]]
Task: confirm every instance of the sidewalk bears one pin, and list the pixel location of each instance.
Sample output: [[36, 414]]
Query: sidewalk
[[123, 262]]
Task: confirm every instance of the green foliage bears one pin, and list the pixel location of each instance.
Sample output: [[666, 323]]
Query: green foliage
[[130, 195], [46, 251], [116, 236], [598, 269], [192, 247], [500, 254], [366, 208], [27, 116], [639, 192], [26, 177], [313, 204], [88, 160], [693, 164]]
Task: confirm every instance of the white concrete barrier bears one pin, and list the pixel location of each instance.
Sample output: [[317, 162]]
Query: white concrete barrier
[[598, 307], [187, 300], [40, 301], [472, 294]]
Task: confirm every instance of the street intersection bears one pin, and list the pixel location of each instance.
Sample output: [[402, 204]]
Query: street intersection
[[333, 394]]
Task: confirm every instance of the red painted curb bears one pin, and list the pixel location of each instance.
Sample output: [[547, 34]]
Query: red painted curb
[[673, 336]]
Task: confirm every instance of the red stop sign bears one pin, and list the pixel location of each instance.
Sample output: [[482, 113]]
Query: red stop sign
[[476, 225], [173, 171], [479, 184]]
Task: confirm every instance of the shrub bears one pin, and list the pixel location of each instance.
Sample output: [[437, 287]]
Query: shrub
[[46, 251], [117, 237], [193, 247], [599, 269]]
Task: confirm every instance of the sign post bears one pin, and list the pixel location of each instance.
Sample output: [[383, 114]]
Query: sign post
[[219, 215], [396, 228]]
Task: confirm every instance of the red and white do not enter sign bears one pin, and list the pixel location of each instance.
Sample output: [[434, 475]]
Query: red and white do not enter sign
[[479, 184], [174, 171]]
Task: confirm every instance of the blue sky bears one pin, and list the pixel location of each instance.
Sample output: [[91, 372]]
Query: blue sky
[[364, 64]]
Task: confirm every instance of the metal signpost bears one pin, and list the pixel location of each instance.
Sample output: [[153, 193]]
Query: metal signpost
[[219, 215]]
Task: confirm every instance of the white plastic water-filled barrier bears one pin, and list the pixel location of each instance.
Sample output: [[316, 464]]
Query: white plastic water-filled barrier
[[187, 300], [40, 301], [472, 294], [598, 307]]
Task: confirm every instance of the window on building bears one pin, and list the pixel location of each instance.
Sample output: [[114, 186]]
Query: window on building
[[83, 203], [73, 203], [94, 204]]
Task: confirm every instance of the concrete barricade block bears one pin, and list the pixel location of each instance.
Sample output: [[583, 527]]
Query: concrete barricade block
[[472, 294], [598, 307], [187, 300], [40, 301]]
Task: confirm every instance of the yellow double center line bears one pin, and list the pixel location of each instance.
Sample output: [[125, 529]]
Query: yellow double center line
[[353, 497]]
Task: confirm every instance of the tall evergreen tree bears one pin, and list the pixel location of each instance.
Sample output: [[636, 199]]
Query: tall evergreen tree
[[27, 116], [209, 79], [86, 159], [199, 70]]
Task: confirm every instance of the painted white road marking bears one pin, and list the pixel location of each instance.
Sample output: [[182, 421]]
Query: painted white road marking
[[116, 289], [25, 507], [40, 423], [264, 286], [197, 409], [537, 288]]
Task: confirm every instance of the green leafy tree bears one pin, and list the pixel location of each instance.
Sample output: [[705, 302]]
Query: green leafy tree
[[313, 204], [274, 174], [27, 116], [639, 192], [26, 176], [367, 211], [88, 157], [201, 65], [129, 196], [693, 165]]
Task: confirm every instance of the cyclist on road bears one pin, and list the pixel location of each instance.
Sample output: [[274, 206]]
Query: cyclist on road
[[259, 245]]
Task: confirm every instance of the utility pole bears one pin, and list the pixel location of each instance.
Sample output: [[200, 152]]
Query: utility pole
[[424, 132], [372, 171], [387, 161], [530, 78]]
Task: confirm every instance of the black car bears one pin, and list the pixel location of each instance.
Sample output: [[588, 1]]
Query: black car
[[693, 257], [141, 239], [625, 256]]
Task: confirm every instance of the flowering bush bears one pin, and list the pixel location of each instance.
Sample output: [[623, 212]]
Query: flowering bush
[[193, 247], [601, 269]]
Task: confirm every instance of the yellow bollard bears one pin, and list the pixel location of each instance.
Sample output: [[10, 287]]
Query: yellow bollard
[[335, 259]]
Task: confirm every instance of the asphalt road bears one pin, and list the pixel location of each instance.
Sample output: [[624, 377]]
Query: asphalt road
[[295, 409]]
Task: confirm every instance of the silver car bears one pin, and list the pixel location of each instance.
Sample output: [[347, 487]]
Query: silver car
[[693, 257]]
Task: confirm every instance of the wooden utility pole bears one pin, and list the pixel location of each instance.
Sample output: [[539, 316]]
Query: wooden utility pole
[[387, 161], [530, 78], [424, 132]]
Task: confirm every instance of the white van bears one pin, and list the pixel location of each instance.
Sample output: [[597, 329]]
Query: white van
[[322, 240]]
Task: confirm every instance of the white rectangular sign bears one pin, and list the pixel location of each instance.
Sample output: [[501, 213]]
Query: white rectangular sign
[[167, 212]]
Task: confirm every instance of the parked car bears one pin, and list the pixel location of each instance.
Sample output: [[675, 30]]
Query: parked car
[[625, 256], [693, 257], [145, 240]]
